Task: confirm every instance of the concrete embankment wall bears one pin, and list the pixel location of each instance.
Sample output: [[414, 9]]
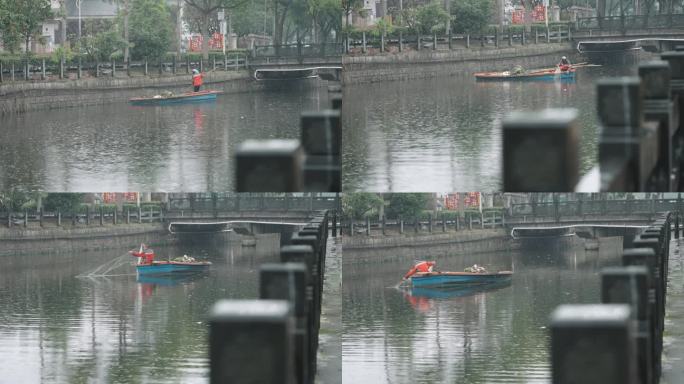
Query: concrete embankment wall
[[428, 63], [362, 249], [70, 239], [30, 96]]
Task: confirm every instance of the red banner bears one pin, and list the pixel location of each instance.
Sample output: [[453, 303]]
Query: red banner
[[538, 13], [113, 197], [470, 200], [195, 42], [518, 16]]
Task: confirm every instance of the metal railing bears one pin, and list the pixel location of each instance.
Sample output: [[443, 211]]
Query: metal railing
[[280, 331], [640, 141], [235, 202], [627, 327], [85, 217], [622, 23], [596, 207], [46, 69], [440, 223], [298, 50], [365, 42]]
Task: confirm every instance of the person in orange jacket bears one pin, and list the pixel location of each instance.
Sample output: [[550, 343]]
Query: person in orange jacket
[[196, 80], [422, 266]]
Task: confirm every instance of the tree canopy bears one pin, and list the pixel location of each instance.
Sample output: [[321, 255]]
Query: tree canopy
[[426, 19], [357, 205], [150, 28], [406, 205], [470, 16], [20, 20]]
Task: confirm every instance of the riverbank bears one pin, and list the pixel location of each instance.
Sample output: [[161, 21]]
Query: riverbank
[[31, 96], [68, 239], [429, 63], [364, 249]]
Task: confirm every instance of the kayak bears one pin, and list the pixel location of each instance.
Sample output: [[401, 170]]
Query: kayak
[[175, 99], [544, 74]]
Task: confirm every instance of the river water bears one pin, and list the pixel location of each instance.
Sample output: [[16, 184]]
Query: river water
[[442, 134], [498, 335], [57, 326], [119, 147]]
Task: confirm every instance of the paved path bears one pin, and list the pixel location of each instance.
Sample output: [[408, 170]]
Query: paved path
[[673, 338], [330, 338]]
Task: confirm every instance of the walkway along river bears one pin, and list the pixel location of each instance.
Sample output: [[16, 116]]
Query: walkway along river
[[118, 147]]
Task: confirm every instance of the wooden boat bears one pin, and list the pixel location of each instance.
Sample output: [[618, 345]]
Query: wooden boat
[[148, 266], [175, 99], [536, 75], [454, 290], [446, 279]]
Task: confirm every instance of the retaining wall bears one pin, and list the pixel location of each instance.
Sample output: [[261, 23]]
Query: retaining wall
[[384, 248], [70, 239], [29, 96], [428, 63]]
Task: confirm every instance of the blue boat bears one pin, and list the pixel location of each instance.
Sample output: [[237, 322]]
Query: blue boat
[[176, 99], [147, 266], [172, 268], [447, 279], [456, 290]]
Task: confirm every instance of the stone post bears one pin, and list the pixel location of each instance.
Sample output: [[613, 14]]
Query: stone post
[[581, 334], [242, 332]]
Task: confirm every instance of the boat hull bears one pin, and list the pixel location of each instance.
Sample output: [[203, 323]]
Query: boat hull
[[189, 97], [171, 268], [546, 76], [452, 291], [453, 279]]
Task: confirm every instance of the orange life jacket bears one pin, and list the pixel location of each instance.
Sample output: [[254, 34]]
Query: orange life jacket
[[423, 266], [197, 80]]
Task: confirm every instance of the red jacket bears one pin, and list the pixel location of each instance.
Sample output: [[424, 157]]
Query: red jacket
[[197, 80], [423, 266]]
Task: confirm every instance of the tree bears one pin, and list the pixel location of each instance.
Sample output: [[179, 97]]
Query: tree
[[150, 29], [14, 200], [406, 204], [22, 20], [103, 45], [357, 205], [66, 202], [327, 16], [471, 16], [426, 19], [201, 15], [349, 6]]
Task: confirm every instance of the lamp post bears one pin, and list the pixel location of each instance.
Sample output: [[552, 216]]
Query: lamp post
[[78, 3]]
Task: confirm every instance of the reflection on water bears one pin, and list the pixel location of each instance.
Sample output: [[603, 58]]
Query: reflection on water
[[57, 327], [119, 147], [495, 334], [442, 134]]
